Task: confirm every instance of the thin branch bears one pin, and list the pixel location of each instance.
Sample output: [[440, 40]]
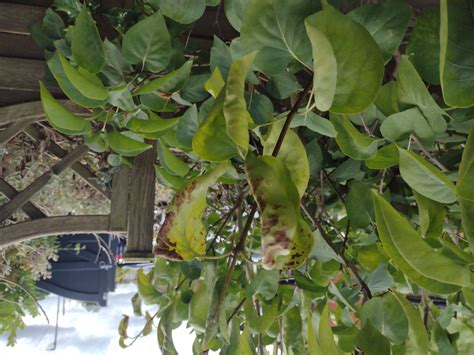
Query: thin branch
[[430, 156], [236, 309], [364, 288]]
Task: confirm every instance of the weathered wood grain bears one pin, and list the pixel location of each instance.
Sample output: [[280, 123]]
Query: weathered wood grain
[[19, 46], [141, 204], [24, 196], [15, 18], [44, 227], [119, 200], [29, 208]]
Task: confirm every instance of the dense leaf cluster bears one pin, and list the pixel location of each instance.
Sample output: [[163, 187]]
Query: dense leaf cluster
[[323, 163]]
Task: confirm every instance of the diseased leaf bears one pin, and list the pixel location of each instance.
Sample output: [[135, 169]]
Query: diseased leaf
[[456, 64], [292, 154], [413, 255], [432, 216], [60, 118], [351, 142], [465, 191], [411, 90], [423, 47], [86, 44], [168, 83], [183, 235], [286, 237], [417, 341], [237, 118], [148, 44], [348, 64], [125, 145], [425, 178], [399, 125]]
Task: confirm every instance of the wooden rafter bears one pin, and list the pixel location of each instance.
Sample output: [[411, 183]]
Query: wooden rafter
[[44, 227], [29, 208]]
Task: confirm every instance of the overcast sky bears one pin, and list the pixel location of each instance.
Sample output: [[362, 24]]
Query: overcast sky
[[89, 333]]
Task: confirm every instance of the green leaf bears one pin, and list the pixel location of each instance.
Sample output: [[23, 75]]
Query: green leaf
[[351, 142], [53, 25], [147, 291], [359, 205], [148, 43], [234, 11], [137, 305], [187, 127], [326, 337], [413, 255], [153, 124], [114, 63], [465, 191], [182, 11], [237, 118], [169, 83], [282, 85], [348, 65], [221, 57], [87, 84], [456, 65], [315, 123], [286, 237], [123, 326], [423, 47], [425, 178], [265, 283], [60, 118], [260, 323], [279, 25], [387, 99], [371, 341], [125, 145], [431, 216], [155, 102], [183, 235], [211, 141], [170, 162], [417, 341], [386, 157], [412, 90], [399, 125], [292, 329], [386, 22], [260, 108], [54, 65], [170, 180], [387, 316], [215, 83], [86, 44], [121, 97], [165, 330], [191, 269], [292, 153], [305, 283]]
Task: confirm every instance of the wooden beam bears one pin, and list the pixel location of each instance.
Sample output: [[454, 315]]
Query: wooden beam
[[12, 130], [30, 209], [22, 74], [34, 109], [82, 170], [119, 201], [15, 18], [12, 97], [142, 205], [24, 196], [19, 46], [44, 227]]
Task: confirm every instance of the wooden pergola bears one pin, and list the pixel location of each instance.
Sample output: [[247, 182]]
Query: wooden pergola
[[133, 190]]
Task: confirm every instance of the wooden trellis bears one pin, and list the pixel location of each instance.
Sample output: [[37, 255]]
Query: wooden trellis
[[132, 196]]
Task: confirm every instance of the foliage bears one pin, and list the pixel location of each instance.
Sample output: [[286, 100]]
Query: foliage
[[21, 266], [323, 172]]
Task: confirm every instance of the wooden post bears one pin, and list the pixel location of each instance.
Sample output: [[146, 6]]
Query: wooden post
[[119, 201], [141, 206]]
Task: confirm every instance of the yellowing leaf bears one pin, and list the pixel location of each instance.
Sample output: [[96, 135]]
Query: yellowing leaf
[[431, 270], [425, 178], [60, 118], [292, 153], [286, 237], [348, 64], [215, 83], [183, 235], [237, 118]]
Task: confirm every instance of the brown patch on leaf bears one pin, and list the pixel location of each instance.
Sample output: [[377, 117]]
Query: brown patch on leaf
[[164, 247]]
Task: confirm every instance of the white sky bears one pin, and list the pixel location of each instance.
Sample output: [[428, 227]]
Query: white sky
[[89, 333]]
